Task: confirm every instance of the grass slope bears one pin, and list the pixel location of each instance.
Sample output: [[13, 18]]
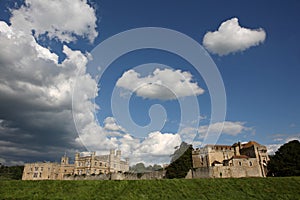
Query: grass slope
[[246, 188]]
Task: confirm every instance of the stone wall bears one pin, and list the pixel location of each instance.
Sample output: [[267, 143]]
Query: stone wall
[[226, 172], [120, 176]]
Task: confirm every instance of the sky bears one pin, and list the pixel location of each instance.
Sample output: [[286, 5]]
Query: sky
[[143, 76]]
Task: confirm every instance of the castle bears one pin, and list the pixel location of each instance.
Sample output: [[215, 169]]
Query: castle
[[211, 161], [83, 165], [224, 161]]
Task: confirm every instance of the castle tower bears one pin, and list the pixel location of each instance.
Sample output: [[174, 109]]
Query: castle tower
[[64, 160], [112, 163], [118, 153]]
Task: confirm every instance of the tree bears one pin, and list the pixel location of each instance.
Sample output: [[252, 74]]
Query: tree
[[12, 172], [138, 168], [181, 162], [286, 161]]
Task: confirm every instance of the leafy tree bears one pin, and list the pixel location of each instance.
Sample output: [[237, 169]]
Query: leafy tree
[[12, 172], [156, 167], [286, 161], [138, 168], [181, 162]]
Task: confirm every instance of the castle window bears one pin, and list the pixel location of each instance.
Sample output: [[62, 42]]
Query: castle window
[[36, 168], [35, 175], [250, 163], [95, 163], [240, 164], [40, 175], [100, 163], [42, 168]]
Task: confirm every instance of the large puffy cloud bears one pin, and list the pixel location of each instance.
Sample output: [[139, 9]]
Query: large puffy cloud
[[57, 19], [36, 102], [228, 127], [163, 84], [231, 37], [35, 93], [36, 120], [155, 148]]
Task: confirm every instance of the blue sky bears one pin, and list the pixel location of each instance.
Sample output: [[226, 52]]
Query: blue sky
[[261, 81]]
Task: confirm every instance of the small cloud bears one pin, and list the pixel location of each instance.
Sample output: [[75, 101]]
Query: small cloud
[[229, 128], [110, 124], [231, 37], [272, 148], [163, 84], [278, 139]]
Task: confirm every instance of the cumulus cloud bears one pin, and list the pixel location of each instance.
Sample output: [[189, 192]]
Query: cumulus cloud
[[35, 89], [155, 148], [163, 84], [231, 37], [229, 128], [56, 19], [37, 107]]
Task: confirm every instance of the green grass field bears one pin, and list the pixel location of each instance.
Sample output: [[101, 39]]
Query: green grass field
[[245, 188]]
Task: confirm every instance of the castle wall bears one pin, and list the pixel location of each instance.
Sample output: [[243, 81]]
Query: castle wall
[[41, 171], [227, 172]]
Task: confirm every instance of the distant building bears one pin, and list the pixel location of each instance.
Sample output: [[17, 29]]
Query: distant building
[[83, 165], [224, 161]]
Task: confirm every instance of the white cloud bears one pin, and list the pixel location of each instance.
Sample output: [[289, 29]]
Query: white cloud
[[110, 124], [155, 148], [188, 134], [158, 143], [231, 37], [57, 19], [36, 90], [163, 84], [229, 128], [272, 148]]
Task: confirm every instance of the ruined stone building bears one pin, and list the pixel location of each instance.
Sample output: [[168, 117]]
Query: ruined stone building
[[224, 161], [83, 165]]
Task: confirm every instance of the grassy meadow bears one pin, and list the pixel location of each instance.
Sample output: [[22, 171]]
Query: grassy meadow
[[244, 188]]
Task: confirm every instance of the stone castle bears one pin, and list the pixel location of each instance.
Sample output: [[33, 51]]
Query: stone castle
[[83, 165], [223, 161], [212, 161]]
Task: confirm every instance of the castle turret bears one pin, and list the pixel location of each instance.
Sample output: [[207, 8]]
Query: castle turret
[[64, 160], [119, 153], [112, 152]]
